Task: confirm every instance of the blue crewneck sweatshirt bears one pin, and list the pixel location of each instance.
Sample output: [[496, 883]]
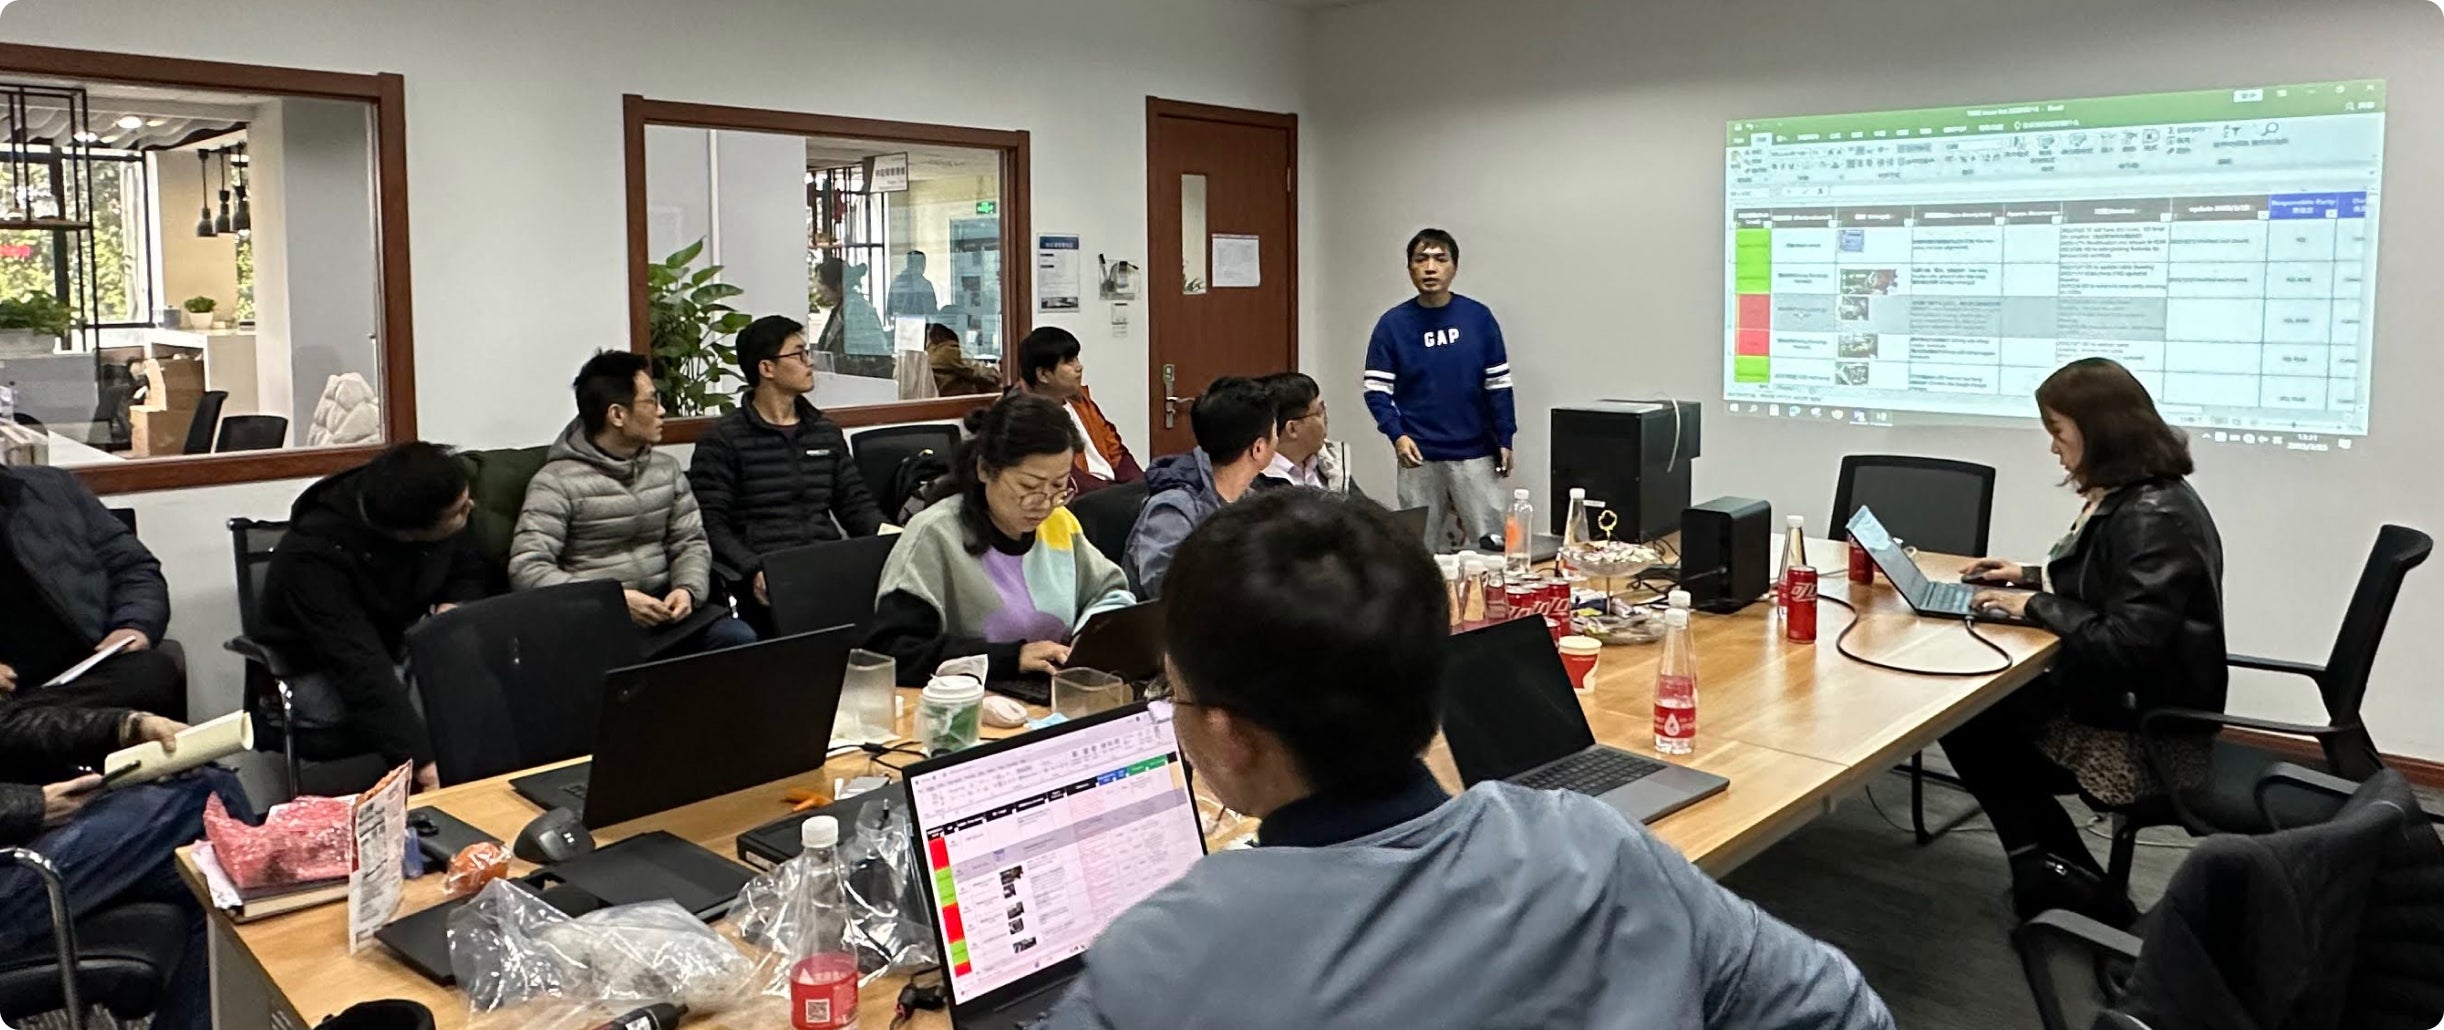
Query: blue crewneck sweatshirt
[[1442, 377]]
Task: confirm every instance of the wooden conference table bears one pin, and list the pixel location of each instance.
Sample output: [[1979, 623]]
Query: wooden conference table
[[1793, 726]]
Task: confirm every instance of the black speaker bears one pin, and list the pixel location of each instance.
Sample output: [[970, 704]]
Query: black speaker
[[1725, 552], [1632, 455]]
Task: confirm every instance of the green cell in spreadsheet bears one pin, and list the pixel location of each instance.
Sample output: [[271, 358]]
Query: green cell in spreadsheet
[[1751, 369], [1753, 260]]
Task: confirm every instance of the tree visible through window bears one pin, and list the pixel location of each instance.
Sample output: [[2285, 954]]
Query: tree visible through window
[[51, 261]]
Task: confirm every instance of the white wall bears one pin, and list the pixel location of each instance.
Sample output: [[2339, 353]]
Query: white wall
[[1575, 148], [518, 222]]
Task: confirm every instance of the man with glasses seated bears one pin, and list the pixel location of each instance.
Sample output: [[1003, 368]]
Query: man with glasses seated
[[996, 566], [776, 473], [1233, 423], [605, 506], [1373, 898], [1304, 454]]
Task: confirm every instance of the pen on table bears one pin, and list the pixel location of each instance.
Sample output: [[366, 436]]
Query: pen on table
[[651, 1017]]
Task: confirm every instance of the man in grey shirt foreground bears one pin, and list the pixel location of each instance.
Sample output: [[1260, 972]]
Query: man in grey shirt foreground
[[1374, 899]]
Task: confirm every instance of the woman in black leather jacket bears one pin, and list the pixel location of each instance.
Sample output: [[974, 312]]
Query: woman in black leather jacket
[[2135, 591]]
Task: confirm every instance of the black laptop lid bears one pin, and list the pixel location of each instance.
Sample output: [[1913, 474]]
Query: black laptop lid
[[1125, 642], [681, 731], [1507, 702], [826, 584]]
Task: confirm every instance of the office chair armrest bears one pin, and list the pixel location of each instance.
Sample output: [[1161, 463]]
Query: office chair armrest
[[2243, 661], [2157, 720], [2068, 958], [245, 647], [63, 931], [2324, 789]]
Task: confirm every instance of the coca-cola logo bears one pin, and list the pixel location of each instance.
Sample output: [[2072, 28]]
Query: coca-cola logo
[[1802, 589]]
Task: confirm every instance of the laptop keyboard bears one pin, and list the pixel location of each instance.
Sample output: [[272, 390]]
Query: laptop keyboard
[[1949, 598], [1596, 771]]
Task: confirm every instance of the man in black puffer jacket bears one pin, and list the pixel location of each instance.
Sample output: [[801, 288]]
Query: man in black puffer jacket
[[73, 581], [108, 846], [776, 474]]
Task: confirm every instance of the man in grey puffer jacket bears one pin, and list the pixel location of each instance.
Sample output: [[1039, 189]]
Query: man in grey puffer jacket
[[605, 506]]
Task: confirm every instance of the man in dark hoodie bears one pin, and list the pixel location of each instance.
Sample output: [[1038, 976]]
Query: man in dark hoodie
[[74, 581], [1234, 423], [369, 552]]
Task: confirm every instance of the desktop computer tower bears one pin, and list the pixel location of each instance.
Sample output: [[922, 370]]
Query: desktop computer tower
[[1632, 455], [1726, 548]]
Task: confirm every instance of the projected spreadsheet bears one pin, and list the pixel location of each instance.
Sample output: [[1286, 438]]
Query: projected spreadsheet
[[2220, 244]]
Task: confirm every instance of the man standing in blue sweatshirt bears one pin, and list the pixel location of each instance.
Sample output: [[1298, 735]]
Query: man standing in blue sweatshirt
[[1438, 380]]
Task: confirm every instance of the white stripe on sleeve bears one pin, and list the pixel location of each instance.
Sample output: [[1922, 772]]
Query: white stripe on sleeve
[[1502, 382], [1496, 370], [1385, 376], [1373, 386]]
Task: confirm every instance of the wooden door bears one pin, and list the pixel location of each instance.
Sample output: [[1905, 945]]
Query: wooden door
[[1235, 172]]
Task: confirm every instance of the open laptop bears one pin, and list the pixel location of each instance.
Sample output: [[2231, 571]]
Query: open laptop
[[1034, 844], [1509, 714], [1125, 642], [1925, 596], [768, 706]]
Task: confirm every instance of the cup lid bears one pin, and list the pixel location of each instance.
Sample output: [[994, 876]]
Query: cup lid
[[1577, 644], [954, 688]]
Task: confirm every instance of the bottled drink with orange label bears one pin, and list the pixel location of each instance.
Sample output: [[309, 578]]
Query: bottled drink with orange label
[[1518, 527]]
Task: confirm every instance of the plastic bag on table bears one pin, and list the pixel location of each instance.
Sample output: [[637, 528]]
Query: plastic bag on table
[[509, 947], [889, 927]]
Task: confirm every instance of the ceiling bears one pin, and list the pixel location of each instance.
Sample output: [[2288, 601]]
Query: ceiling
[[164, 118]]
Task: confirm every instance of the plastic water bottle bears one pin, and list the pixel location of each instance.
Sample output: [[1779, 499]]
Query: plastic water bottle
[[1676, 684], [1794, 555], [1518, 526], [823, 969], [1573, 529]]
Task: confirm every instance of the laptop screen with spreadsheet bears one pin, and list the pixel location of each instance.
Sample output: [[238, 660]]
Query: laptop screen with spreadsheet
[[1032, 846], [1898, 567]]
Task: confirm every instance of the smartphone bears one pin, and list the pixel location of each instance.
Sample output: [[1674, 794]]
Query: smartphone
[[441, 836]]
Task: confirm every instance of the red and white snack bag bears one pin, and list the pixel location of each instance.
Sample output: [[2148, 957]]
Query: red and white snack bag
[[303, 841]]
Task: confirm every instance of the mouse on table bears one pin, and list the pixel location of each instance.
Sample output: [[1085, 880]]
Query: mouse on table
[[555, 836], [1004, 712]]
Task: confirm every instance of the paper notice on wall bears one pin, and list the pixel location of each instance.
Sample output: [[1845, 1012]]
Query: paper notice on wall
[[1238, 262], [908, 333], [1058, 284], [379, 825]]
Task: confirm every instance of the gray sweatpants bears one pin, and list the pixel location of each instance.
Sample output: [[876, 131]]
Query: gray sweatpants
[[1467, 489]]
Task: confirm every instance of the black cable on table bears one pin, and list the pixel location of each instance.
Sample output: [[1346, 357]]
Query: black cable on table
[[1841, 643]]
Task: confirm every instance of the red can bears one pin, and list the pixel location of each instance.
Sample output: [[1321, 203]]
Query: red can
[[1522, 595], [1555, 596], [1862, 567], [1799, 605]]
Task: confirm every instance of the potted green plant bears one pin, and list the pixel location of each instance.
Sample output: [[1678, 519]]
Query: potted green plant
[[690, 330], [33, 323], [199, 312]]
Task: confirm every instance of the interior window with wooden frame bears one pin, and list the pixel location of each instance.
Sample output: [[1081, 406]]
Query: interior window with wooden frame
[[203, 268], [899, 246]]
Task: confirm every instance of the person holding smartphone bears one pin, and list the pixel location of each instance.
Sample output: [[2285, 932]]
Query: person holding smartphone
[[109, 846]]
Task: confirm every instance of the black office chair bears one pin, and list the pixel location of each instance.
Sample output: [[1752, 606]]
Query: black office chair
[[879, 453], [1936, 504], [2084, 974], [1108, 514], [252, 433], [516, 681], [820, 586], [265, 696], [122, 956], [2226, 801], [207, 422]]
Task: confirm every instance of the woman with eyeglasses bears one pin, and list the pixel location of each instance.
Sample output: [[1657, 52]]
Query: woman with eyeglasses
[[996, 566]]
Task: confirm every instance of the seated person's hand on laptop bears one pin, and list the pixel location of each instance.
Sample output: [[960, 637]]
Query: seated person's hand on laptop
[[1042, 656], [679, 603], [2013, 603], [62, 801], [646, 610], [144, 726], [1991, 570]]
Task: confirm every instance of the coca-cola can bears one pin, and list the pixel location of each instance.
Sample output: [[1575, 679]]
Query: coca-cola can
[[1799, 605], [1862, 567], [1556, 596], [1523, 596]]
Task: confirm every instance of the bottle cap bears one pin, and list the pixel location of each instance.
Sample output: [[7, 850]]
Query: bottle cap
[[1520, 494], [1677, 618], [1678, 599], [822, 831], [1578, 493], [1794, 521]]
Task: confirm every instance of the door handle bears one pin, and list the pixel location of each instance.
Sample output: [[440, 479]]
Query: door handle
[[1171, 403]]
